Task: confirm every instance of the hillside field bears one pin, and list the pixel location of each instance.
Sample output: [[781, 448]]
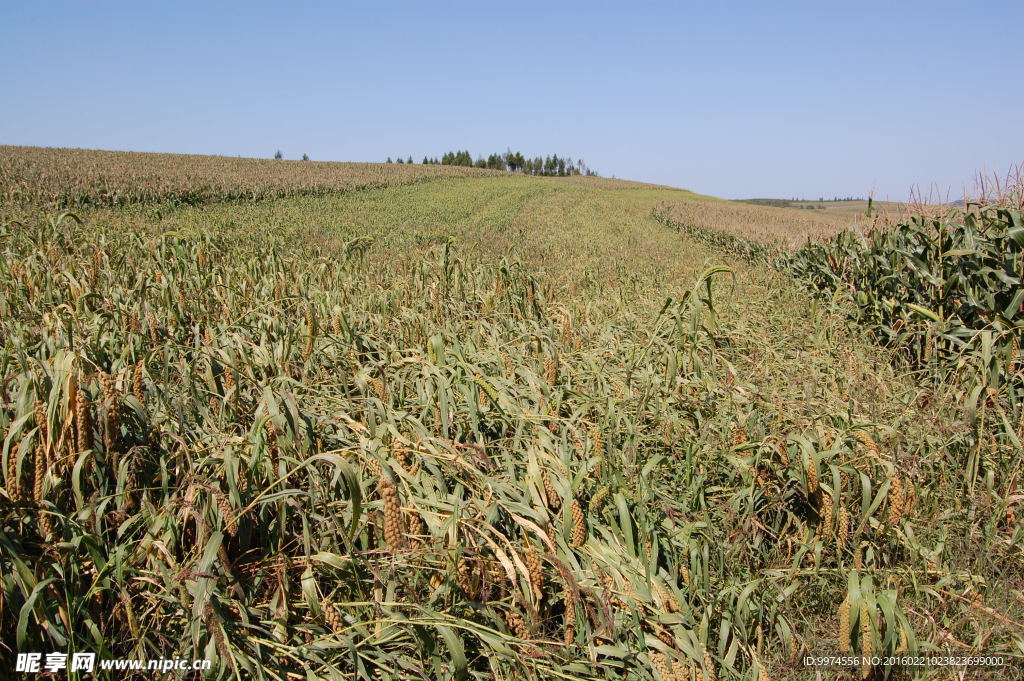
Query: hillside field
[[334, 421]]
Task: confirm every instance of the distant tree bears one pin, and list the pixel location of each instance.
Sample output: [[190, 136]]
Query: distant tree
[[426, 160], [278, 155], [515, 162], [305, 157], [389, 159], [409, 161]]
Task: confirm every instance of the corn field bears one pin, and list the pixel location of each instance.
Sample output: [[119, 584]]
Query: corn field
[[739, 227], [82, 178], [944, 290], [417, 432]]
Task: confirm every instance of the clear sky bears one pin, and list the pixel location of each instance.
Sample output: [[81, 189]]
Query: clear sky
[[727, 98]]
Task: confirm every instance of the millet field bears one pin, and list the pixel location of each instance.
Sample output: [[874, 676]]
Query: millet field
[[336, 421]]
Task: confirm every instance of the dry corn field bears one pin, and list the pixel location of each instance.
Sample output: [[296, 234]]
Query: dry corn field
[[79, 178], [495, 427], [780, 228]]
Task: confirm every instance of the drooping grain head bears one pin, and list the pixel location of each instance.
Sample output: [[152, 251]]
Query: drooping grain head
[[570, 597], [13, 474], [83, 421], [709, 666], [867, 644], [825, 515], [812, 476], [39, 473], [551, 370], [332, 619], [464, 573], [536, 571], [845, 646], [39, 411], [668, 600], [517, 625], [112, 407], [684, 574], [227, 513], [138, 384], [865, 439], [783, 452], [579, 523], [379, 388], [393, 531], [842, 528], [661, 665], [896, 501], [866, 632], [904, 644], [154, 328], [553, 498]]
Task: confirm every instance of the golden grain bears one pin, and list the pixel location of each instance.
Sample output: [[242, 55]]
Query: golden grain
[[867, 644], [536, 571], [226, 512], [83, 421], [844, 627], [332, 619], [812, 476], [554, 499], [39, 474], [660, 663], [517, 625], [393, 532], [551, 370], [896, 501], [843, 528], [865, 439], [13, 482], [138, 385], [579, 523], [709, 666]]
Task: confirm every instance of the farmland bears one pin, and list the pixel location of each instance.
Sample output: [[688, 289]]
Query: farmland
[[81, 178], [402, 422]]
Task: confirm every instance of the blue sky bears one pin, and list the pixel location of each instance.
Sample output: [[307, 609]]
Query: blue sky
[[727, 98]]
